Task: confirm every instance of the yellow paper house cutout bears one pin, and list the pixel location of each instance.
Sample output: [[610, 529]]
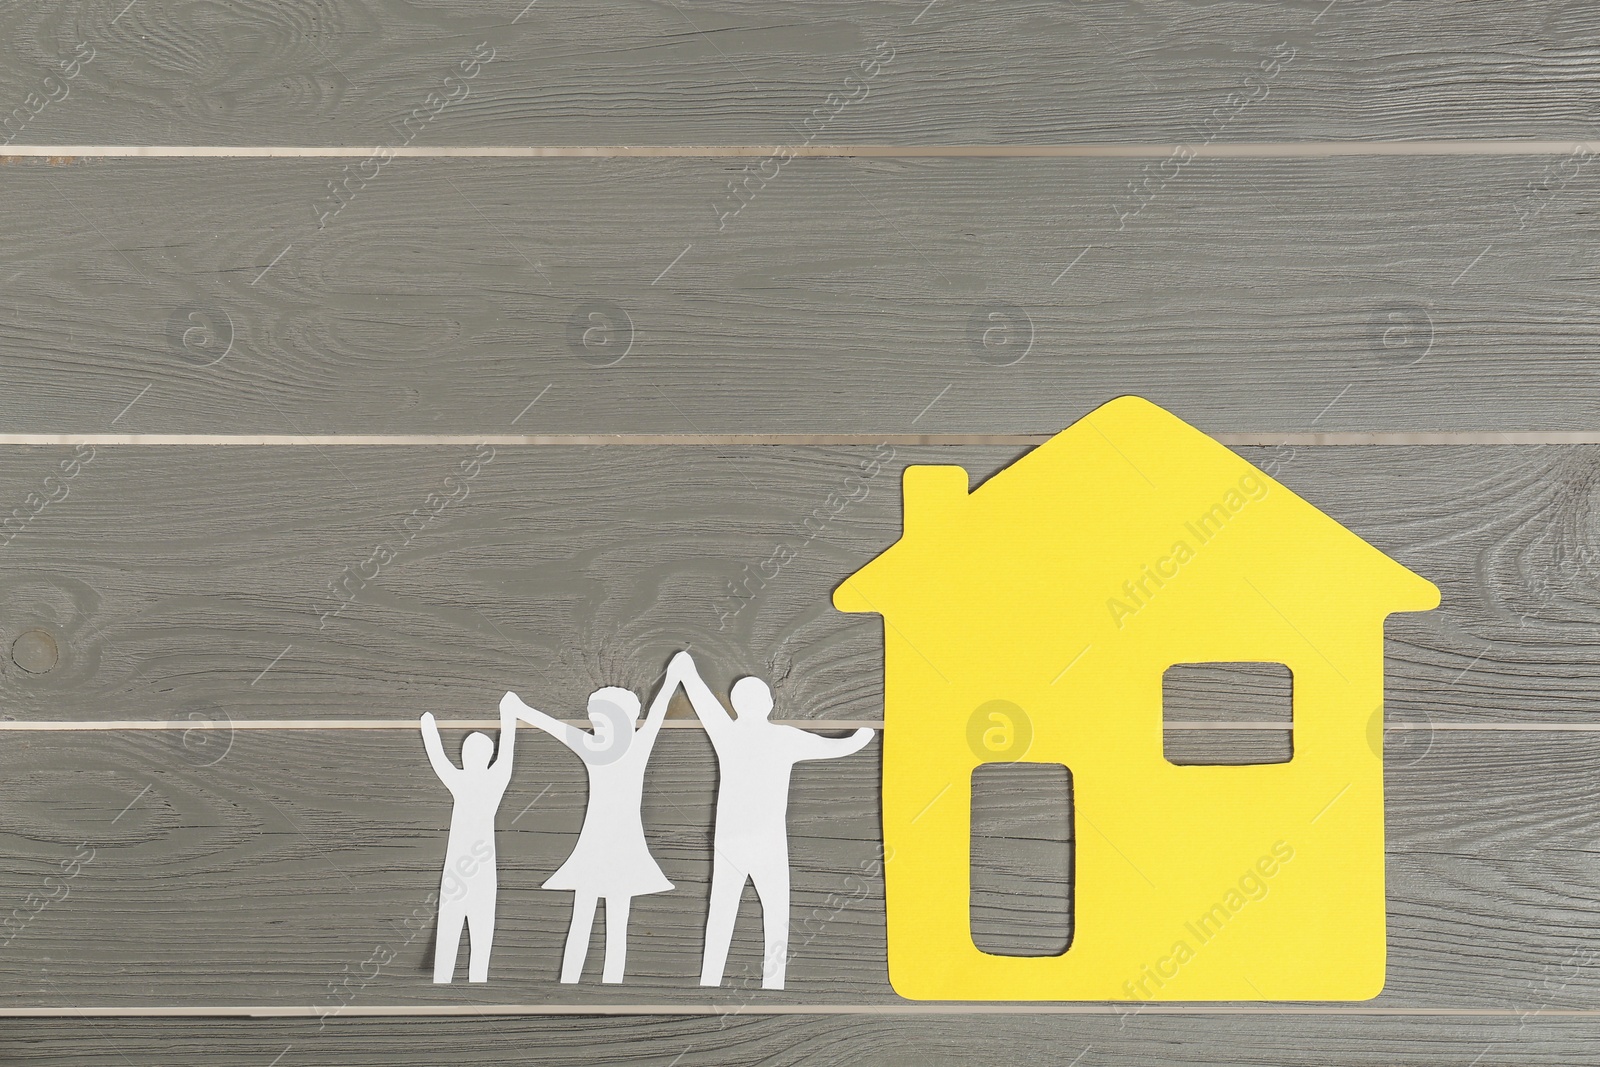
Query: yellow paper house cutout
[[1065, 586]]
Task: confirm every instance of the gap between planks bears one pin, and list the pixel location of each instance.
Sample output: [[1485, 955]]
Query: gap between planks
[[1239, 150], [186, 725], [1232, 440], [1117, 1008]]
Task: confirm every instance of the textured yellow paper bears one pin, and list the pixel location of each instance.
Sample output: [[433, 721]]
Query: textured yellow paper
[[1065, 586]]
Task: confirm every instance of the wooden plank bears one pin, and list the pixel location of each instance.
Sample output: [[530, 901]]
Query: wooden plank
[[718, 72], [285, 874], [847, 296], [1147, 1040], [236, 584]]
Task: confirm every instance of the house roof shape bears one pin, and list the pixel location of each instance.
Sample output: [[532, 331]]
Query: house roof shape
[[1101, 506]]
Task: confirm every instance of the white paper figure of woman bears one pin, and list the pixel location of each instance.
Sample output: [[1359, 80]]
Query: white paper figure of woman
[[468, 885], [755, 758], [611, 860]]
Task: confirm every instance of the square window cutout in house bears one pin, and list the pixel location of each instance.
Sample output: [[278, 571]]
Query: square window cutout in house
[[1022, 859], [1259, 697]]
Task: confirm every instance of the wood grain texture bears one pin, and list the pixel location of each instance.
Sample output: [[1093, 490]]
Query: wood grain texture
[[179, 583], [1022, 859], [1260, 695], [847, 296], [295, 872], [1146, 1040], [719, 72]]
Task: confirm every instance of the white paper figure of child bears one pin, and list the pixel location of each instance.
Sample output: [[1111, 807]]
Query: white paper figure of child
[[611, 860], [755, 758], [468, 886]]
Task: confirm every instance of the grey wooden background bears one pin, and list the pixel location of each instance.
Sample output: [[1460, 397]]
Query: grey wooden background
[[277, 72], [1248, 296], [678, 348]]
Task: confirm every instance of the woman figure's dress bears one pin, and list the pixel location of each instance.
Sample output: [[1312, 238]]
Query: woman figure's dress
[[611, 858]]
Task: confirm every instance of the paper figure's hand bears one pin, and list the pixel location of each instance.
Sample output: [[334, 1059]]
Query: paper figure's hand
[[682, 665], [510, 704], [814, 746], [857, 741], [427, 719]]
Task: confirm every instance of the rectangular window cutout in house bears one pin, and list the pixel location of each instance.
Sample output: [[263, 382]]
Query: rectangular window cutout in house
[[1022, 859], [1227, 713]]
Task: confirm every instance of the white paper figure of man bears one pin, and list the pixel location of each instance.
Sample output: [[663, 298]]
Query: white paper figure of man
[[611, 860], [469, 883], [755, 758]]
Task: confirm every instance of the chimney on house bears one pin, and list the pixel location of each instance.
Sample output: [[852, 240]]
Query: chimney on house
[[931, 495]]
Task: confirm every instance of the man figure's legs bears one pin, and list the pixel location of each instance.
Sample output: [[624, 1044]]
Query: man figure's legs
[[480, 929], [772, 886], [727, 885], [451, 915]]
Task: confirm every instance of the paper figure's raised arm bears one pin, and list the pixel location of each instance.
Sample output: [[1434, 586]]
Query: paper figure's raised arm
[[813, 746], [706, 705], [657, 712], [501, 767], [570, 736], [448, 772]]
